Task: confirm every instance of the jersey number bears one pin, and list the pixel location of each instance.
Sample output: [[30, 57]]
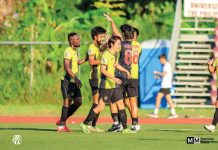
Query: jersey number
[[131, 57]]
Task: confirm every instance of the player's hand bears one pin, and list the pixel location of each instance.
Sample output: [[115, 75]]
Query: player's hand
[[107, 37], [108, 18], [78, 82], [156, 77], [128, 75], [210, 62], [117, 81]]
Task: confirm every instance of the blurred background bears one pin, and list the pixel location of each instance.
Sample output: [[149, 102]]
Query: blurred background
[[30, 72]]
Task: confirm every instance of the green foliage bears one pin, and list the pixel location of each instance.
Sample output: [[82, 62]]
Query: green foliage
[[52, 20]]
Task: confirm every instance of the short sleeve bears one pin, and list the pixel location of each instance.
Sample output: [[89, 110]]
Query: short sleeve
[[166, 68], [67, 54], [215, 63], [91, 50]]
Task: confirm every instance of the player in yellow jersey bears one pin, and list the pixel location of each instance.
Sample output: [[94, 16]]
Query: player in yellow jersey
[[94, 54], [70, 84], [129, 57], [110, 89]]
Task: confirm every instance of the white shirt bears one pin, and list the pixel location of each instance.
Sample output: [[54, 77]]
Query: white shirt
[[167, 79]]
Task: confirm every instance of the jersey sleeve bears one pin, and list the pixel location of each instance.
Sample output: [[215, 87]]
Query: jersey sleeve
[[91, 50], [67, 54], [215, 63]]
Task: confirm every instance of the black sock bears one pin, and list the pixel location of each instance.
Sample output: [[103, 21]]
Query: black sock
[[215, 118], [115, 117], [72, 109], [96, 119], [123, 118], [90, 118], [135, 121], [64, 115], [90, 111]]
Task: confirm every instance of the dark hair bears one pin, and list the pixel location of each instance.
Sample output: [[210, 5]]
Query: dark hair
[[128, 32], [97, 30], [70, 35], [136, 31], [162, 56], [112, 40], [123, 27]]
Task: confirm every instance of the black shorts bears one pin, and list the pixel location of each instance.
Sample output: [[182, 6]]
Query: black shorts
[[111, 95], [130, 87], [94, 86], [165, 91], [70, 90]]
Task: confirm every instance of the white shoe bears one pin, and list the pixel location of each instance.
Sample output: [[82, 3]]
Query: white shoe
[[210, 128], [153, 115], [136, 128], [172, 116]]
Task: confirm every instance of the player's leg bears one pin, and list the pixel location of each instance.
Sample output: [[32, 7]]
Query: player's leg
[[123, 116], [93, 114], [73, 107], [157, 105], [127, 104], [65, 86], [95, 97], [172, 108], [117, 98], [132, 92], [95, 103], [211, 127], [114, 114], [87, 124]]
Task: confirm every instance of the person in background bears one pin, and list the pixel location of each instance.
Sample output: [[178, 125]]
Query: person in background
[[166, 84]]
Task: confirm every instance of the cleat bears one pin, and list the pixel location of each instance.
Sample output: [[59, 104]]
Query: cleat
[[115, 128], [63, 129], [85, 128], [172, 116], [128, 131], [136, 128], [153, 115], [210, 128]]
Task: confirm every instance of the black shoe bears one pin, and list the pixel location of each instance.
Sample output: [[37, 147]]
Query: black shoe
[[115, 128]]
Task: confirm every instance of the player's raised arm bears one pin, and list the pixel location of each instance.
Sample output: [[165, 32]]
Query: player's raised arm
[[113, 26], [211, 68]]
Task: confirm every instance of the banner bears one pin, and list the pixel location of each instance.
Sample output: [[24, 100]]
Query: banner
[[201, 8]]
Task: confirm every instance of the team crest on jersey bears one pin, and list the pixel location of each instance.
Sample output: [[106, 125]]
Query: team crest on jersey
[[106, 98], [104, 60], [89, 51]]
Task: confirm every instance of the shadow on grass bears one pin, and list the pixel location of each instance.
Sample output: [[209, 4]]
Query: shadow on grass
[[38, 129]]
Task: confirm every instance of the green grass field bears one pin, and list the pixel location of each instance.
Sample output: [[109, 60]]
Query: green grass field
[[151, 137], [55, 110]]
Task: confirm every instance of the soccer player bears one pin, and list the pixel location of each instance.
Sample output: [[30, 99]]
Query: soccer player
[[110, 89], [94, 54], [70, 84], [212, 67], [129, 56], [166, 84]]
